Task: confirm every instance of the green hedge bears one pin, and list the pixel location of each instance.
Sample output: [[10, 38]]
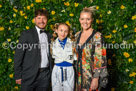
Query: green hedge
[[115, 19]]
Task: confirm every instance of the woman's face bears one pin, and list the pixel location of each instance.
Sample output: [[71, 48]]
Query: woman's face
[[85, 20]]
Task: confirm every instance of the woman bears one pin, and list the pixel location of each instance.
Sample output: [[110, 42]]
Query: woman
[[91, 64]]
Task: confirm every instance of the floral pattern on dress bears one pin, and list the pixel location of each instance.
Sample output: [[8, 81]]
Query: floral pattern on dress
[[93, 61]]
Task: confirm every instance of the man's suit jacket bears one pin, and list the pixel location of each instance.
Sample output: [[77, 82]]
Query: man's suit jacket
[[26, 60]]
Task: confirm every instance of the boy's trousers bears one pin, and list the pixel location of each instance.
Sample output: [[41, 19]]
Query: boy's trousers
[[62, 78]]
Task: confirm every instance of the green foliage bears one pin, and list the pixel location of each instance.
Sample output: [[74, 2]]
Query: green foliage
[[115, 19]]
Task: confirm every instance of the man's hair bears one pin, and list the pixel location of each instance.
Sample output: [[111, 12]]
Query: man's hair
[[41, 12]]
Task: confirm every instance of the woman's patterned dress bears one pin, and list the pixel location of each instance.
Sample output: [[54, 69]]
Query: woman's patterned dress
[[91, 61]]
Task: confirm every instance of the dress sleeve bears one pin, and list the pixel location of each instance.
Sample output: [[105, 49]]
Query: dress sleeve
[[100, 61]]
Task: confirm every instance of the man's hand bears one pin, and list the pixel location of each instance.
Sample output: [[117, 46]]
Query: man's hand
[[94, 84], [18, 81]]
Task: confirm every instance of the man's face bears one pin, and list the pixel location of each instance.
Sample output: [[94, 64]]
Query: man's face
[[41, 21]]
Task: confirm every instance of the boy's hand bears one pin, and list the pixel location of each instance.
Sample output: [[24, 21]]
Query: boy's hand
[[18, 81]]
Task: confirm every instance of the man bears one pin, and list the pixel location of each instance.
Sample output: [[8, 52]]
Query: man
[[32, 63]]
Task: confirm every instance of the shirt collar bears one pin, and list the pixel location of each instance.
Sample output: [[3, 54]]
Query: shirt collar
[[38, 29], [64, 41]]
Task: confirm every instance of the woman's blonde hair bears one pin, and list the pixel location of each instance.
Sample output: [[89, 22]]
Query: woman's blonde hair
[[90, 10]]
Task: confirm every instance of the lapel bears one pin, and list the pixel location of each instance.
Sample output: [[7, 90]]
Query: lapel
[[35, 35]]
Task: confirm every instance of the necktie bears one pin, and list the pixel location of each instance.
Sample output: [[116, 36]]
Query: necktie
[[42, 31]]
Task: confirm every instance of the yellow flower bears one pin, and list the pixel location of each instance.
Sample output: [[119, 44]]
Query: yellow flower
[[44, 8], [32, 20], [15, 9], [14, 15], [133, 17], [0, 18], [52, 12], [63, 10], [113, 42], [9, 60], [1, 28], [126, 54], [17, 41], [53, 19], [131, 82], [130, 60], [130, 75], [108, 36], [28, 7], [16, 87], [11, 75], [112, 89], [67, 22], [76, 4], [122, 6], [109, 62], [32, 5], [4, 44], [25, 17], [38, 1], [71, 14], [100, 15], [13, 52], [27, 27], [97, 21], [114, 31], [10, 21], [8, 40], [101, 21], [21, 13], [125, 26], [66, 3], [9, 28], [0, 5], [133, 74], [135, 30], [52, 27], [97, 7], [135, 42], [109, 12]]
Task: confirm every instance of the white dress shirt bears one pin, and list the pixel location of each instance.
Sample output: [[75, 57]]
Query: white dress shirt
[[43, 40]]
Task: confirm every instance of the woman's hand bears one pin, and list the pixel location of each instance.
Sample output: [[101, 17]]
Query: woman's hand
[[94, 84]]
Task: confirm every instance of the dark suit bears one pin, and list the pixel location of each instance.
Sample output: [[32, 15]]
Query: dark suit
[[26, 61]]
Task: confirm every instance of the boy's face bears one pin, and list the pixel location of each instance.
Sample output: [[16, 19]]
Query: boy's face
[[41, 21], [62, 32]]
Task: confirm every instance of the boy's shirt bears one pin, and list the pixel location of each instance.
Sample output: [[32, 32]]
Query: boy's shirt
[[60, 54]]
